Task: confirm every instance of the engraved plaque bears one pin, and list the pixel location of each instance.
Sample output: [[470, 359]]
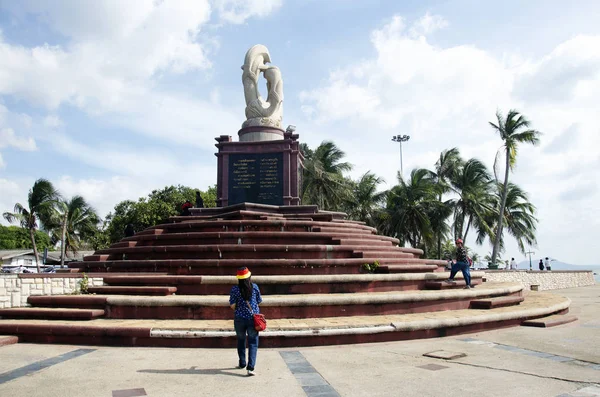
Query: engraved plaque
[[256, 178]]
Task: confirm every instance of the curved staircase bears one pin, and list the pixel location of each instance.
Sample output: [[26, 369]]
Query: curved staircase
[[169, 285]]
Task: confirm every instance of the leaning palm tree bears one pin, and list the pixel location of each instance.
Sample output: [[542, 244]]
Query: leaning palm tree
[[513, 130], [445, 168], [323, 182], [519, 215], [40, 200], [70, 222], [472, 183]]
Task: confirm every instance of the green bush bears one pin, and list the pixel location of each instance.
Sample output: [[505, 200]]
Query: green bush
[[370, 267]]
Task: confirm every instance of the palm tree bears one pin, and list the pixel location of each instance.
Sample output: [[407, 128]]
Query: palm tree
[[513, 130], [410, 205], [519, 216], [323, 181], [365, 199], [40, 200], [71, 222], [472, 182], [445, 168]]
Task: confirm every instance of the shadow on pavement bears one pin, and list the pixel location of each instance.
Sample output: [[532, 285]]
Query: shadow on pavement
[[197, 371]]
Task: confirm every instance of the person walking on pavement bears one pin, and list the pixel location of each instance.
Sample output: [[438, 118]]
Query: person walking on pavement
[[462, 264], [244, 298]]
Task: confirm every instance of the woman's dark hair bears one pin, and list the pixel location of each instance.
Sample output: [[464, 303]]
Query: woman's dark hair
[[246, 288]]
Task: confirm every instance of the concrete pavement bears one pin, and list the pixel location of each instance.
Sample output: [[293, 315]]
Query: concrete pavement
[[520, 361]]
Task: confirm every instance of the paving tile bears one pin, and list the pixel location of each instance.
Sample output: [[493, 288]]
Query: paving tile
[[129, 393], [320, 391], [311, 379], [538, 354]]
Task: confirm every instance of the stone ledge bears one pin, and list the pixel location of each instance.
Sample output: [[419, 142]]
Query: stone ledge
[[322, 299]]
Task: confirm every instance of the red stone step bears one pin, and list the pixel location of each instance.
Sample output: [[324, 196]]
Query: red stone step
[[90, 258], [152, 280], [374, 243], [229, 266], [293, 306], [550, 321], [260, 225], [124, 244], [227, 251], [6, 340], [150, 231], [329, 229], [406, 268], [458, 283], [52, 313], [79, 301], [135, 290], [277, 285], [259, 237], [375, 254], [229, 238], [491, 303]]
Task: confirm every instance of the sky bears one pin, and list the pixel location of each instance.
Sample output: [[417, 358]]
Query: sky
[[113, 99]]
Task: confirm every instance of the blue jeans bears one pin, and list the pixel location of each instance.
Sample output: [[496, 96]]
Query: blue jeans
[[464, 268], [245, 327]]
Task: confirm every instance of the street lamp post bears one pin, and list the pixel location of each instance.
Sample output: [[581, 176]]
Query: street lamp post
[[400, 139], [530, 252]]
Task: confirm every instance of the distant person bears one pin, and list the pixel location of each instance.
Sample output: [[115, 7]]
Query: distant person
[[547, 264], [462, 263], [513, 264], [199, 201], [129, 230], [185, 208], [541, 265]]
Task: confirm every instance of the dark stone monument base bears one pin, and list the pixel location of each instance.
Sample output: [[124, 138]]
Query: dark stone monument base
[[264, 172]]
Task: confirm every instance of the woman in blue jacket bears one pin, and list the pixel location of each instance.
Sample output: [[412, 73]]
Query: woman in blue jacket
[[244, 299]]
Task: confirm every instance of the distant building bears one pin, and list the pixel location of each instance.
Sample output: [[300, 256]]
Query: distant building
[[24, 257], [54, 257]]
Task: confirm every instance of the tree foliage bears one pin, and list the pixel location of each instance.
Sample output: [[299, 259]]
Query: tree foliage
[[150, 211], [323, 182], [15, 237], [72, 222], [40, 200]]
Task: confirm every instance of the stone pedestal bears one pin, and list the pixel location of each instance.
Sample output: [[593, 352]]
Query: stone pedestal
[[255, 134], [263, 172]]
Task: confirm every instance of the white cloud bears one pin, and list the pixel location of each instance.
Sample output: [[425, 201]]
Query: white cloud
[[114, 60], [12, 192], [8, 138], [238, 11], [52, 121], [428, 24]]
